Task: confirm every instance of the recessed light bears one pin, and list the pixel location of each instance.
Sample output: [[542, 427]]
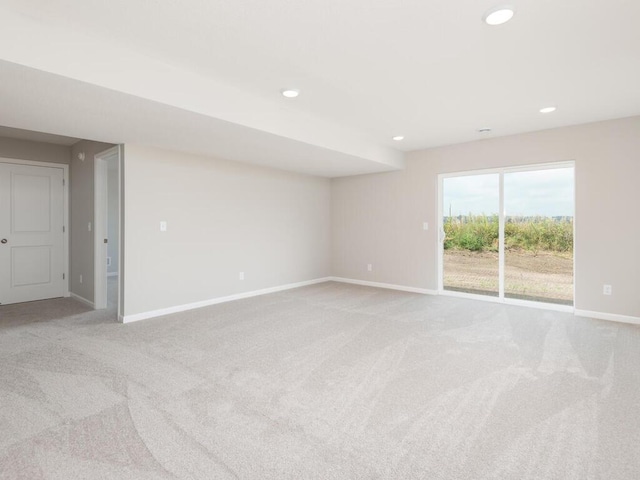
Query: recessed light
[[547, 109], [398, 138], [290, 92], [498, 15], [484, 130]]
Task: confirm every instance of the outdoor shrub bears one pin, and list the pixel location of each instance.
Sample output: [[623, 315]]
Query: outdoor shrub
[[480, 233], [471, 241]]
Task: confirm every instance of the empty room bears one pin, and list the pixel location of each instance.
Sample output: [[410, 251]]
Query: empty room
[[363, 239]]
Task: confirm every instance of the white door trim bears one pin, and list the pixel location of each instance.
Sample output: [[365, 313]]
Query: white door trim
[[100, 226], [65, 214]]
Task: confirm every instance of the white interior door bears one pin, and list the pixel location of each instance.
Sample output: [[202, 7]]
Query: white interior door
[[32, 260]]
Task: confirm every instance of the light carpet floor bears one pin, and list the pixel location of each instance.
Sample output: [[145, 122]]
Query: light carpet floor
[[330, 381]]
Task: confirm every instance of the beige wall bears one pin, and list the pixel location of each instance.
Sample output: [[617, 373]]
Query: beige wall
[[223, 218], [378, 218], [81, 201], [33, 151]]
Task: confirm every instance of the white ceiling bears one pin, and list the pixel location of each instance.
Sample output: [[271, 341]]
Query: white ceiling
[[45, 102], [368, 69]]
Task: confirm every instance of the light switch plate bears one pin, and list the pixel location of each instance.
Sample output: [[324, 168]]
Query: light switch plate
[[163, 226]]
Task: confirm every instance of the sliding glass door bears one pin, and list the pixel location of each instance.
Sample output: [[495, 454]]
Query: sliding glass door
[[508, 233], [470, 222], [538, 232]]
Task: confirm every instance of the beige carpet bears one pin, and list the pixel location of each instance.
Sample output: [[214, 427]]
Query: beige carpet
[[324, 382]]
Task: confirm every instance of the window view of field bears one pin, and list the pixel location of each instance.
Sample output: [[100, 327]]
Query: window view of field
[[538, 257], [538, 235]]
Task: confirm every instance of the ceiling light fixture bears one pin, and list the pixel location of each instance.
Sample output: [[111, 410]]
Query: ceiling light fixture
[[498, 15], [290, 92], [484, 130], [398, 138], [547, 109]]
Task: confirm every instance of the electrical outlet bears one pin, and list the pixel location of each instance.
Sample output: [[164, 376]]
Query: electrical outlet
[[241, 276], [80, 278], [369, 267], [606, 290], [425, 226]]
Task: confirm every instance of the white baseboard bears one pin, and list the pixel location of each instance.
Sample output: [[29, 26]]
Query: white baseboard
[[205, 303], [389, 286], [613, 317], [82, 300], [112, 274]]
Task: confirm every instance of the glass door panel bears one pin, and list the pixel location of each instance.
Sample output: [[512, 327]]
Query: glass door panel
[[538, 233], [471, 227]]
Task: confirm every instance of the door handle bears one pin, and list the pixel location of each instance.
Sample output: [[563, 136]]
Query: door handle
[[4, 240]]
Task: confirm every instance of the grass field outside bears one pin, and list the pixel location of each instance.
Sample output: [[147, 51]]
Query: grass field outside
[[538, 256]]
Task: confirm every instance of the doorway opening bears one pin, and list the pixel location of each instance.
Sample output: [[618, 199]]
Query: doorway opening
[[108, 231], [508, 234]]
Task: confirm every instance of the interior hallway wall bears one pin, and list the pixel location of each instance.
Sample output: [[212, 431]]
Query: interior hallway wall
[[112, 216], [378, 218], [81, 200], [34, 151]]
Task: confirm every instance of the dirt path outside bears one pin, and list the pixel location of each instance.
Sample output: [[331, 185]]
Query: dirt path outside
[[543, 276]]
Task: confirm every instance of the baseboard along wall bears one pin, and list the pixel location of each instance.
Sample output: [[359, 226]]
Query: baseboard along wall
[[612, 317], [205, 303], [82, 300], [388, 286]]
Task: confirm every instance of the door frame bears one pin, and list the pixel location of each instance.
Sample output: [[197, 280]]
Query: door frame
[[100, 227], [65, 208], [501, 254]]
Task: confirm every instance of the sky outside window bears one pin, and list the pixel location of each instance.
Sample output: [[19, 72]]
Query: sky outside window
[[548, 193]]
